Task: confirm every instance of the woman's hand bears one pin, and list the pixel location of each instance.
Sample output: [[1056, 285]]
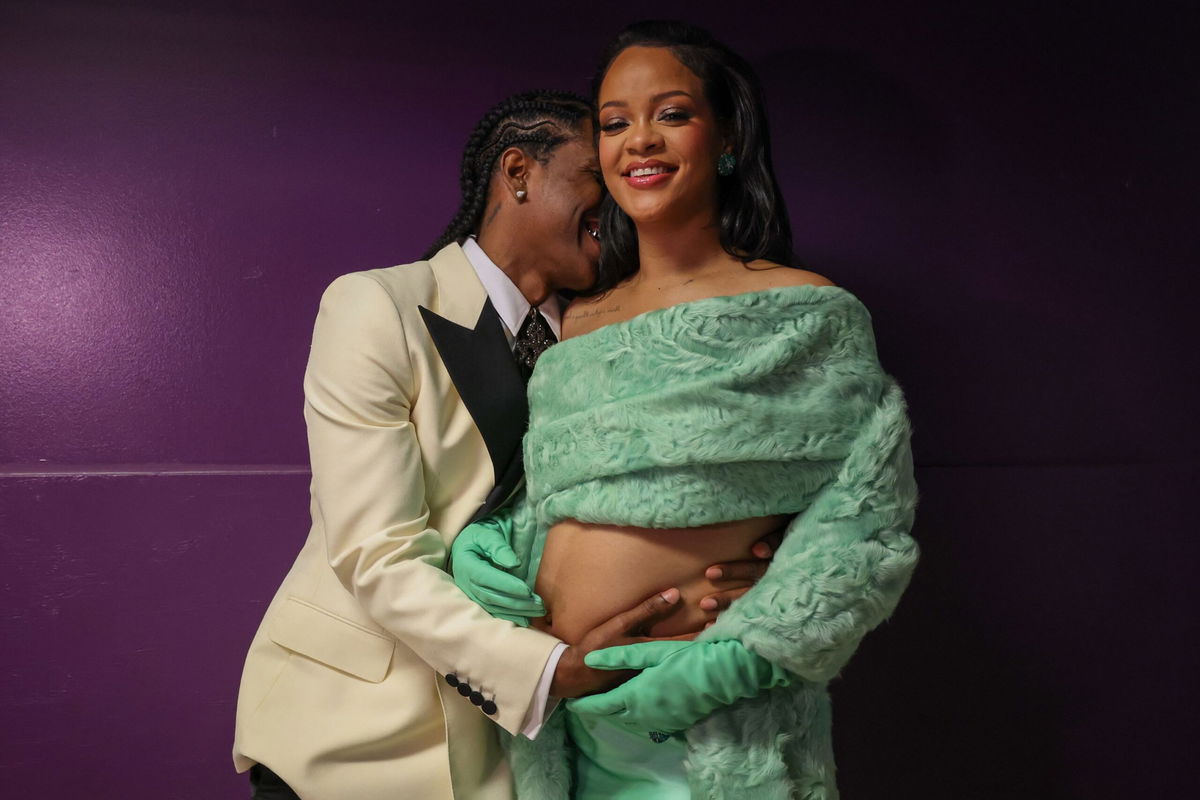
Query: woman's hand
[[574, 678], [682, 683], [479, 558]]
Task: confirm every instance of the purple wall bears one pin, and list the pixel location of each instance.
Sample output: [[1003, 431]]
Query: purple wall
[[1010, 187]]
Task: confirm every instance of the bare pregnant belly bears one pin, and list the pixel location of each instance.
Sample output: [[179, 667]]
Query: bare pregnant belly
[[590, 573]]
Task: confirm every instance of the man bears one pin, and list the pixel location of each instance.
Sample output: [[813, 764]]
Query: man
[[372, 675]]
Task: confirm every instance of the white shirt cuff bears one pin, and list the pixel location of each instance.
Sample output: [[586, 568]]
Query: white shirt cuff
[[542, 705]]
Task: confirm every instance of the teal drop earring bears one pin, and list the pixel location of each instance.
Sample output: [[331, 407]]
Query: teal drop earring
[[725, 164]]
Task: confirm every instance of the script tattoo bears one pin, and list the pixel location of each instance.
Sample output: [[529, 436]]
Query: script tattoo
[[595, 312]]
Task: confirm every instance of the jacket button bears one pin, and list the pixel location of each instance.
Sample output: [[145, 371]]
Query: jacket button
[[476, 699], [452, 679], [463, 688], [488, 708]]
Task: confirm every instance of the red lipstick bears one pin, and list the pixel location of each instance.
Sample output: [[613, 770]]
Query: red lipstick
[[647, 174]]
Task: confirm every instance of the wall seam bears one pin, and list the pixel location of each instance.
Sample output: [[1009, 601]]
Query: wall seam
[[146, 470]]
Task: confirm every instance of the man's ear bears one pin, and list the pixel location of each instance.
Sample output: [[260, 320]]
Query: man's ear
[[514, 173]]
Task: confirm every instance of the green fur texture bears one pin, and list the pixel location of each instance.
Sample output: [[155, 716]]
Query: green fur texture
[[723, 409]]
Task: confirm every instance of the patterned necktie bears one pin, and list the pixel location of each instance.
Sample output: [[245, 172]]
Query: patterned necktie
[[532, 340]]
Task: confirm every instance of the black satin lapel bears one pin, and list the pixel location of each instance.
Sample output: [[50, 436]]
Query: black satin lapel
[[481, 365], [504, 488]]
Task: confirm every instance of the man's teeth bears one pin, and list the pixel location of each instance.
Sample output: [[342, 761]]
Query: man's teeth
[[643, 171]]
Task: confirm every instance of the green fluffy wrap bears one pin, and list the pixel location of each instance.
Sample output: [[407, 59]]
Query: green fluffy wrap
[[723, 409]]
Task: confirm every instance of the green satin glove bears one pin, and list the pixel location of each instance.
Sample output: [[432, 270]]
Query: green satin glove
[[479, 557], [681, 683]]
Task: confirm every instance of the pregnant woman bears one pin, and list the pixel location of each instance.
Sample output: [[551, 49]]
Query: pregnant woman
[[706, 395]]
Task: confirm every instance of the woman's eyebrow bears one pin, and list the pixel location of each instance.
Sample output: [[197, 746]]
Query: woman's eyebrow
[[658, 98]]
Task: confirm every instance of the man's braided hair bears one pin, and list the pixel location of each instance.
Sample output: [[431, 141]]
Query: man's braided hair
[[536, 122]]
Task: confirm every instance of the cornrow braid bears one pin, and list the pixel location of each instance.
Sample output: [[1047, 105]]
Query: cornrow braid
[[537, 122]]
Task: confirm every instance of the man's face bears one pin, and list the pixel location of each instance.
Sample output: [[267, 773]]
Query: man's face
[[566, 193]]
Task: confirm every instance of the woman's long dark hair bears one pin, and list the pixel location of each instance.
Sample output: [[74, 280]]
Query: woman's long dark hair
[[537, 122], [751, 214]]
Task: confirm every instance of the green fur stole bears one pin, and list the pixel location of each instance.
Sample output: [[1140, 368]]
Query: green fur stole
[[723, 409]]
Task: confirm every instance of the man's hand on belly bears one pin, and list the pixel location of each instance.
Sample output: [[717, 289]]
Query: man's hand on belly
[[733, 579], [574, 678]]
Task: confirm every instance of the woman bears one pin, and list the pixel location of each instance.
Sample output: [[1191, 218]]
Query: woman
[[706, 395]]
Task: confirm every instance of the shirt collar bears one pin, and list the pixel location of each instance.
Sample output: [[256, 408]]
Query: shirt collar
[[507, 299]]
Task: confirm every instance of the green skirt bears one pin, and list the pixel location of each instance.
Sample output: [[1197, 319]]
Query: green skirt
[[613, 762]]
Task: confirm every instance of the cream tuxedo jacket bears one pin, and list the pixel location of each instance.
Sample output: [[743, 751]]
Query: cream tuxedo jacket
[[343, 692]]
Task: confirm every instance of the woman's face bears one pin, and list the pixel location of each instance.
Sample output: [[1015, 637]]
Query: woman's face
[[659, 139]]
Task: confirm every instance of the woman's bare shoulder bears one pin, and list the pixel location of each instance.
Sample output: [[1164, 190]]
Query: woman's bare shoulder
[[769, 275], [586, 314]]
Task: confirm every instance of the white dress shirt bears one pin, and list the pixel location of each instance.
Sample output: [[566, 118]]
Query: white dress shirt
[[507, 299], [512, 307]]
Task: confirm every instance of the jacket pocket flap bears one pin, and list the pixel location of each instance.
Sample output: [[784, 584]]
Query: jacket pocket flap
[[334, 641]]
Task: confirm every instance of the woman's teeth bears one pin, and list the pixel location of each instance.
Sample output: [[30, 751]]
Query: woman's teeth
[[643, 171]]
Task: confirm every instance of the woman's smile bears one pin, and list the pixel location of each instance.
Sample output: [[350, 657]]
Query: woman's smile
[[648, 174]]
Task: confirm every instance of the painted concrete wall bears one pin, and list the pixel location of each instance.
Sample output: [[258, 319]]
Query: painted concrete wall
[[1011, 188]]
